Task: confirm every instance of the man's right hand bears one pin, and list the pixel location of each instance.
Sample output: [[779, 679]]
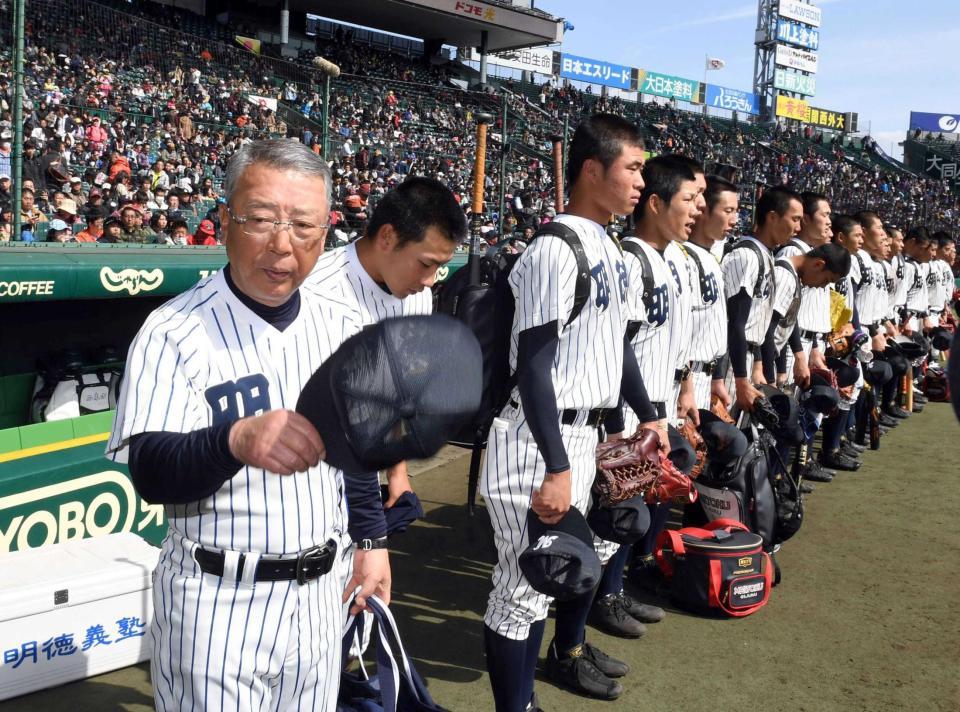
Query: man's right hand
[[746, 394], [552, 500], [280, 441]]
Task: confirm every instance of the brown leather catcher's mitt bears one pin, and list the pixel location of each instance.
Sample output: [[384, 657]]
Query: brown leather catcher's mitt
[[690, 432], [633, 466]]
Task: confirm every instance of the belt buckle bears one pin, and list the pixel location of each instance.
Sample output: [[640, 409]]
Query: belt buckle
[[309, 556]]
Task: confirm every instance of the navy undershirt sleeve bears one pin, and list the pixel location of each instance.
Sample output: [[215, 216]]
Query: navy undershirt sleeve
[[366, 519], [738, 309], [179, 468], [769, 349], [855, 319], [536, 352], [632, 387]]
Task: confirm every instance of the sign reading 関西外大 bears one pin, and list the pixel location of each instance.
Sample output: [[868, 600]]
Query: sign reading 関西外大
[[796, 34], [669, 86], [732, 99], [805, 84], [801, 12], [597, 71]]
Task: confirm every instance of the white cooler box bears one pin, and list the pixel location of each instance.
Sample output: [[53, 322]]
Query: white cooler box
[[74, 610]]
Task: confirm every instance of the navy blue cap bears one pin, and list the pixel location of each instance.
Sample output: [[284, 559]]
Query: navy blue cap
[[787, 430], [940, 338], [560, 560], [682, 454], [877, 372], [396, 391], [404, 512], [725, 442], [624, 522], [847, 373], [910, 348], [820, 396]]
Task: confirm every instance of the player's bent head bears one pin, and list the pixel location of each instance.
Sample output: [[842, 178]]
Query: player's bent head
[[416, 205], [825, 265], [601, 138], [663, 178]]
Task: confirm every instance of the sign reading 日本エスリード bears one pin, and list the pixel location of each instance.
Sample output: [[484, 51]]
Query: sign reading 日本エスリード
[[596, 71], [796, 34], [669, 86], [732, 99]]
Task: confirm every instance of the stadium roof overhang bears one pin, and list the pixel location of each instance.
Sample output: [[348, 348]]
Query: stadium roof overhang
[[454, 22]]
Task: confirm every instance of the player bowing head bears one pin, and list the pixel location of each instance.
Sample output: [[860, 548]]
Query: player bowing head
[[413, 231], [604, 167], [275, 217]]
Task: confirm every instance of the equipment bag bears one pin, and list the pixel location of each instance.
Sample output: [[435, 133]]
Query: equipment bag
[[396, 686], [719, 569], [935, 385]]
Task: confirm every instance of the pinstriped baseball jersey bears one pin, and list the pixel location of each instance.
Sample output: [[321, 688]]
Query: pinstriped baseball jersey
[[872, 290], [708, 328], [652, 342], [373, 302], [933, 285], [588, 366], [898, 297], [788, 289], [916, 276], [680, 270], [814, 314], [204, 358], [942, 288], [740, 271]]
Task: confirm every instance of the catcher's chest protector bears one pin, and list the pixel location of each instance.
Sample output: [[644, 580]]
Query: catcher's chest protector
[[741, 491]]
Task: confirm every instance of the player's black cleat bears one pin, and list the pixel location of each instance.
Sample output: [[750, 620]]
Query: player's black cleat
[[896, 412], [643, 612], [533, 705], [850, 451], [609, 666], [838, 461], [855, 446], [814, 472], [806, 488], [609, 615], [576, 672], [887, 421]]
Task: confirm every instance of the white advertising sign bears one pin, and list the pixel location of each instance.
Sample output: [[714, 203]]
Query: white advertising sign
[[801, 12], [797, 59]]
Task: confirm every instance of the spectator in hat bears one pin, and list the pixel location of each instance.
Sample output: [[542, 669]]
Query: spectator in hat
[[59, 231], [112, 230], [132, 228], [93, 230], [76, 192], [65, 209], [96, 135], [94, 202], [205, 235]]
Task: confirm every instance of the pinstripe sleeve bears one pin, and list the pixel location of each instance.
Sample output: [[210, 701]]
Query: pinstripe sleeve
[[740, 271], [544, 283], [786, 287]]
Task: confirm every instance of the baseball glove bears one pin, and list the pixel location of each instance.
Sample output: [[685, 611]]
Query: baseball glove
[[720, 410], [690, 432], [837, 345], [633, 466]]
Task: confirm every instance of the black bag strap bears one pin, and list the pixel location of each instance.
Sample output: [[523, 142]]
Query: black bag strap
[[787, 265], [861, 265], [582, 288], [646, 276], [692, 254], [762, 269]]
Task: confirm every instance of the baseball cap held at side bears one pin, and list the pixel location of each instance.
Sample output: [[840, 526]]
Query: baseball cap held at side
[[396, 391], [560, 560]]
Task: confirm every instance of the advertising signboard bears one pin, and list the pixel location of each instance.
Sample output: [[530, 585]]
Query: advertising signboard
[[536, 59], [826, 119], [797, 59], [801, 12], [669, 86], [945, 123], [791, 108], [796, 34], [805, 84], [732, 99], [596, 71]]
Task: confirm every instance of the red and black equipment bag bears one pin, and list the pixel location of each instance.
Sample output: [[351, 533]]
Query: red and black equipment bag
[[719, 569]]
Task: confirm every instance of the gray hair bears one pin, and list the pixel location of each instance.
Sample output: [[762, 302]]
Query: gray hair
[[282, 154]]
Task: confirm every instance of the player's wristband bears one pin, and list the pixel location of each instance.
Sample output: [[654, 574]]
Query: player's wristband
[[370, 544]]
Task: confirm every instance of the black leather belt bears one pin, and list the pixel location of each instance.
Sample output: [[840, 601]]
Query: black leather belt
[[706, 368], [306, 566], [594, 417]]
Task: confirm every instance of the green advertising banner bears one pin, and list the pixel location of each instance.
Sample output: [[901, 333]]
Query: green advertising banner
[[668, 86]]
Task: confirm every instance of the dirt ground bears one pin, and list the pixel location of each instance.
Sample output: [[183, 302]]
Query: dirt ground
[[866, 617]]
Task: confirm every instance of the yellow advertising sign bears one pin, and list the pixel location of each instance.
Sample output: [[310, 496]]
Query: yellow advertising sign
[[826, 119], [791, 108]]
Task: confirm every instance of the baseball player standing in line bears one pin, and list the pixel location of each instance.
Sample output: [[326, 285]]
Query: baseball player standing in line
[[388, 273], [748, 285], [667, 208], [247, 613], [541, 449], [916, 248], [942, 267], [709, 327]]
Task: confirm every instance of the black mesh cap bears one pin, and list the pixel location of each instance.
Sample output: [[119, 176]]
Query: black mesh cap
[[560, 561], [396, 391]]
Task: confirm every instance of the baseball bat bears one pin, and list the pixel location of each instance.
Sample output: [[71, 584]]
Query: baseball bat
[[558, 172], [479, 174]]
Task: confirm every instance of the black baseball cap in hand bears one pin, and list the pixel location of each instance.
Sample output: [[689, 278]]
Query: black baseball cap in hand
[[560, 560], [396, 391]]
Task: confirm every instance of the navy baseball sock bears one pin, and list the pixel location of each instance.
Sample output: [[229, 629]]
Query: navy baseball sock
[[659, 514], [505, 663], [531, 655], [833, 429], [572, 621], [890, 390], [612, 580]]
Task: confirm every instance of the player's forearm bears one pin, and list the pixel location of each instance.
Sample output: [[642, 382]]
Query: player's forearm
[[632, 387], [365, 517], [536, 351], [179, 468], [738, 309]]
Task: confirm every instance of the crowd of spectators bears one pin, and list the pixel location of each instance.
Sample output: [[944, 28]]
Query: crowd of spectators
[[137, 134]]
